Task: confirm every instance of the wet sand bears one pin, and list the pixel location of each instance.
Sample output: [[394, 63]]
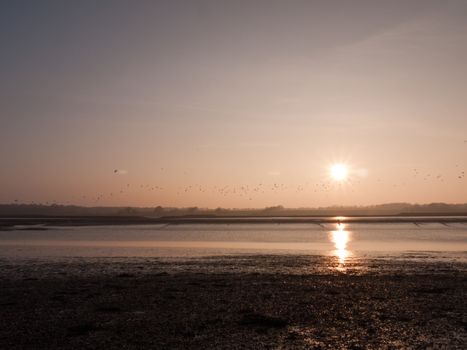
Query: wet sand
[[234, 302]]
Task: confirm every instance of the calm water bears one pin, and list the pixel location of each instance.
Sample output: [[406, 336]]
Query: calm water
[[344, 241]]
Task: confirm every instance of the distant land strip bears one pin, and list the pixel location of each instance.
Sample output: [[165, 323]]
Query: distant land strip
[[42, 222]]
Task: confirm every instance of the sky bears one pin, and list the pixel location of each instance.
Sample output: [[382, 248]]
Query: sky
[[233, 103]]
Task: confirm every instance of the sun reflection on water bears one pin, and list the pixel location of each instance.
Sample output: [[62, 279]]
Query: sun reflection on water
[[340, 238]]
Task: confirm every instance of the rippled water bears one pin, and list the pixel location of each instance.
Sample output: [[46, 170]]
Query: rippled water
[[344, 241]]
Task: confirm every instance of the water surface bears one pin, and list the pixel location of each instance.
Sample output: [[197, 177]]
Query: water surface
[[343, 241]]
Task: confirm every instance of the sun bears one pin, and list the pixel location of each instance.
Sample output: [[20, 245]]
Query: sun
[[339, 172]]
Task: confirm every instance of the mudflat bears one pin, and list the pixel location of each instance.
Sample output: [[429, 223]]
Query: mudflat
[[232, 302]]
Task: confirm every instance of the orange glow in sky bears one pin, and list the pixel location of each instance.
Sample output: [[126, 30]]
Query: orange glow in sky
[[234, 104]]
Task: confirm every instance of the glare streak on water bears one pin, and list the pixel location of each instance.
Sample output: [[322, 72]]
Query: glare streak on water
[[342, 241]]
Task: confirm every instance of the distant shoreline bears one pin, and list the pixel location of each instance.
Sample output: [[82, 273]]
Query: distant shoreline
[[37, 222]]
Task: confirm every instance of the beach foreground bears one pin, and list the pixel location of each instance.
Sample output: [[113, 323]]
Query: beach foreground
[[232, 302]]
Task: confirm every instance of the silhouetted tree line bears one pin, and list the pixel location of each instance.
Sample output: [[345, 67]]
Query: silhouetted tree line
[[278, 210]]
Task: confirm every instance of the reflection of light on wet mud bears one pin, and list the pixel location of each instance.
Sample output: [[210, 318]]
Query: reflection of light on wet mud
[[340, 238]]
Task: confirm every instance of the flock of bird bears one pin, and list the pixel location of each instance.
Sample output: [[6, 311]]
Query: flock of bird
[[250, 191]]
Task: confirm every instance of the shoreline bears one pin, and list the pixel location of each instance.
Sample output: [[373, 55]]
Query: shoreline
[[43, 222]]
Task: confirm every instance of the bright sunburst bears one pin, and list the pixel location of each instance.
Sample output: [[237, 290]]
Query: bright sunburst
[[339, 172]]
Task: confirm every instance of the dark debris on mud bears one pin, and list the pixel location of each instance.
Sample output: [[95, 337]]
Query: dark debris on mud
[[170, 308]]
